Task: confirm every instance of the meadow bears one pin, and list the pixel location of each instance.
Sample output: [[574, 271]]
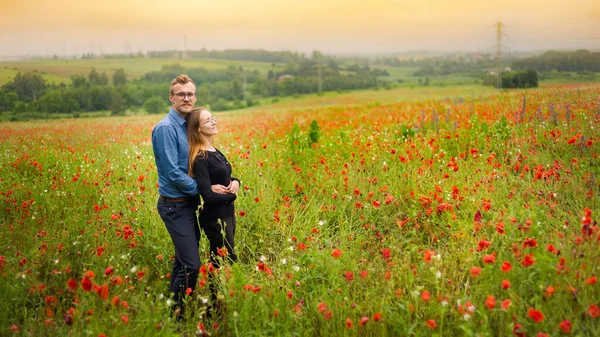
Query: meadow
[[453, 212], [60, 70]]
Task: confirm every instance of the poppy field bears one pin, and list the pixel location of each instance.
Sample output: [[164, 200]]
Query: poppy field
[[469, 215]]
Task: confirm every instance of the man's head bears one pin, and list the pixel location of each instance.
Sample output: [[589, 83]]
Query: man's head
[[182, 94]]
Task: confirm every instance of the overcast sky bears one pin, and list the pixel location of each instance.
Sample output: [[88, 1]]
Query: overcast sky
[[48, 27]]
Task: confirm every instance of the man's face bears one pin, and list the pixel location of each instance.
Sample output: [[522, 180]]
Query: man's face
[[183, 98]]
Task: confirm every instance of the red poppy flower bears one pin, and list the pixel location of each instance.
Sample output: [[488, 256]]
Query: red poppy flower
[[535, 315], [489, 259], [425, 295], [528, 260], [431, 323], [593, 311], [336, 253], [86, 284], [565, 326]]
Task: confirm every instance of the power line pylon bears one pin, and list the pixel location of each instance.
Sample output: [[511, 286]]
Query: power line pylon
[[499, 35]]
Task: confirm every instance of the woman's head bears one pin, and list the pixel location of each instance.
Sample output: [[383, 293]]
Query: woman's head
[[201, 126]]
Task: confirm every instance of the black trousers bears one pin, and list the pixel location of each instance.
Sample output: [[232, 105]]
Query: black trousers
[[182, 224], [220, 233]]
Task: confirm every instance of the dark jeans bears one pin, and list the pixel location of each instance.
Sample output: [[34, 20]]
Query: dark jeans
[[220, 233], [182, 225]]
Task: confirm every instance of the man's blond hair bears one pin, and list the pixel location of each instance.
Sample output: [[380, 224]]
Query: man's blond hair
[[181, 79]]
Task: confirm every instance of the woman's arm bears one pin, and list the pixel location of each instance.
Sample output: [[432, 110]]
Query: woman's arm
[[202, 177]]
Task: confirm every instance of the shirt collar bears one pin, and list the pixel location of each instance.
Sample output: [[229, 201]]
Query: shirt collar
[[178, 118]]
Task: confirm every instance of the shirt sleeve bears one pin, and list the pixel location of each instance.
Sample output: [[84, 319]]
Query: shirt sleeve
[[165, 150], [202, 177]]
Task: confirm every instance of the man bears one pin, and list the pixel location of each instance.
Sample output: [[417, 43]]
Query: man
[[178, 200]]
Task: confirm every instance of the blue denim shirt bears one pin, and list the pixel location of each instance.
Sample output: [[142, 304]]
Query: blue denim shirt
[[170, 147]]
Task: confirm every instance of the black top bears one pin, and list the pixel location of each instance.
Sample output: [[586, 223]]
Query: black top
[[212, 168]]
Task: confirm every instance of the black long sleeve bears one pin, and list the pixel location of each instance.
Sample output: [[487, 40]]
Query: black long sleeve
[[211, 169]]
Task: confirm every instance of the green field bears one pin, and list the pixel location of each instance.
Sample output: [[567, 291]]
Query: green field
[[57, 71]]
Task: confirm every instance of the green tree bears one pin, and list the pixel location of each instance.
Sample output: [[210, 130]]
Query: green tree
[[155, 105], [96, 78], [51, 101], [7, 100], [119, 77], [203, 95], [219, 105], [117, 104], [28, 86], [57, 101], [99, 98], [78, 81], [93, 76], [238, 89]]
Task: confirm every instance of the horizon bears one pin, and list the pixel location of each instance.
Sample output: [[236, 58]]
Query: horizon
[[68, 28]]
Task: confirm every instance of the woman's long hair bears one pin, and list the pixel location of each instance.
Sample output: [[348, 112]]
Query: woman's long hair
[[194, 139]]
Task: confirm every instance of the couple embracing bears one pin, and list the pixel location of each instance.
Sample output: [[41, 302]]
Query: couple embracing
[[190, 167]]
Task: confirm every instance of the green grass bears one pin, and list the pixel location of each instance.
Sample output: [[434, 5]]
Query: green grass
[[8, 73], [362, 97]]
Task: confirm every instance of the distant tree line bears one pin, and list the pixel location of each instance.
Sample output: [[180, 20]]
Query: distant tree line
[[514, 79], [221, 89], [28, 92], [574, 61]]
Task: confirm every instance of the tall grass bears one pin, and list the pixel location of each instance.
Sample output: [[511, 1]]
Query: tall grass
[[399, 221]]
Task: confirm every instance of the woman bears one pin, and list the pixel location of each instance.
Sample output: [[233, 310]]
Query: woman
[[211, 170]]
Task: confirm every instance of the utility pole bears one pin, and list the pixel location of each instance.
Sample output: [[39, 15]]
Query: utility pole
[[499, 35]]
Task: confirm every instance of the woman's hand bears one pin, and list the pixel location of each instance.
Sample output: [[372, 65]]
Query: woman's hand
[[234, 187], [221, 189]]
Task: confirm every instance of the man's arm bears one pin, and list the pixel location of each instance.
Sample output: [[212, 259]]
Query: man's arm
[[164, 142]]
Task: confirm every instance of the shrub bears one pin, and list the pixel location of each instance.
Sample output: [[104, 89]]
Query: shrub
[[155, 105]]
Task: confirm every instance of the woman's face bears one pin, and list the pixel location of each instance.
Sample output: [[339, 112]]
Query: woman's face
[[208, 124]]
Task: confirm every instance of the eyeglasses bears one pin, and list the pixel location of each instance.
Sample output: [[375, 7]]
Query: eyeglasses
[[183, 95], [210, 120]]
